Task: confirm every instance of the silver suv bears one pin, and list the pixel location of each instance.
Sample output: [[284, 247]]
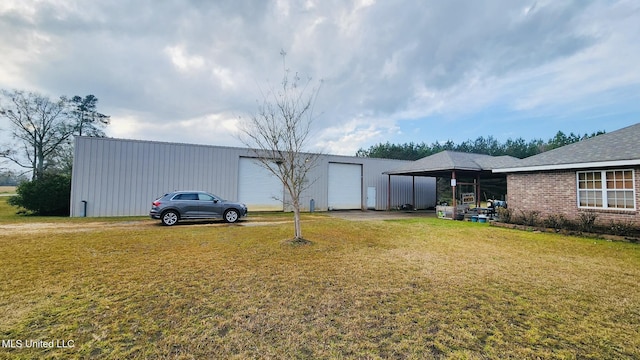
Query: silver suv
[[182, 205]]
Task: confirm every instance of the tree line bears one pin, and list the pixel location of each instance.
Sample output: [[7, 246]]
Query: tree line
[[489, 145], [11, 178], [42, 129]]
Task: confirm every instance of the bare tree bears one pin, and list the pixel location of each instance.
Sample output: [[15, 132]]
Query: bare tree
[[278, 133], [40, 126]]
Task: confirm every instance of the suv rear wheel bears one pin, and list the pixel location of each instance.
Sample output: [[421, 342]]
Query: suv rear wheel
[[170, 218]]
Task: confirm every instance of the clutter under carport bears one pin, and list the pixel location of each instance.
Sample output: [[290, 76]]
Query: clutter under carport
[[465, 212]]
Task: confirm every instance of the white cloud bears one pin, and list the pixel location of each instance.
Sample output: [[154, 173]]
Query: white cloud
[[347, 138], [212, 129], [183, 61], [606, 66]]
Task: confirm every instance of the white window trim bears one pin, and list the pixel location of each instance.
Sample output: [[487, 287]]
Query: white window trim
[[604, 190]]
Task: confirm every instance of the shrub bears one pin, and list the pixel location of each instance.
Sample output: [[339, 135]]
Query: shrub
[[556, 221], [529, 218], [49, 195], [587, 220], [505, 214], [622, 228]]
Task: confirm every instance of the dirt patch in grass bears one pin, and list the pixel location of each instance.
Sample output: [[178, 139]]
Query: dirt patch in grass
[[72, 225], [297, 242], [371, 215], [56, 227], [7, 190], [265, 223]]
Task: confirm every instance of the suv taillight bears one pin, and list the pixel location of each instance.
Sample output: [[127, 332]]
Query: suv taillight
[[156, 203]]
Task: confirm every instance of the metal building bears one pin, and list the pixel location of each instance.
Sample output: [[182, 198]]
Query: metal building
[[119, 177]]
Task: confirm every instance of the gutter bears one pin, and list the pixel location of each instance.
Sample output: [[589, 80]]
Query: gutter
[[599, 164]]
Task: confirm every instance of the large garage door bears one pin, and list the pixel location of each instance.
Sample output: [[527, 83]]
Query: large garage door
[[258, 188], [345, 186]]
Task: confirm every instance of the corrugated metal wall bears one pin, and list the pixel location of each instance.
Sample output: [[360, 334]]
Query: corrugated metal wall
[[118, 177]]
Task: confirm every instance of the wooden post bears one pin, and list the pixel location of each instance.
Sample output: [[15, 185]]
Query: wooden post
[[478, 190]]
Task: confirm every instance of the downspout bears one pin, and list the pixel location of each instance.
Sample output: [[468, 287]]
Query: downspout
[[389, 193], [413, 191]]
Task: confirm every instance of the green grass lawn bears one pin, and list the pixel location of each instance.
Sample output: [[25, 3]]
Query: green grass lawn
[[420, 288]]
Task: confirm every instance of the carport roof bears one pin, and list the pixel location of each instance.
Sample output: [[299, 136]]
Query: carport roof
[[443, 163]]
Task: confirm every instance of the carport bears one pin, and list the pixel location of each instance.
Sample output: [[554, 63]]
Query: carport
[[464, 169]]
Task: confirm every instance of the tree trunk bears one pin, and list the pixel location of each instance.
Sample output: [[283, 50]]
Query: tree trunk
[[40, 165], [296, 222]]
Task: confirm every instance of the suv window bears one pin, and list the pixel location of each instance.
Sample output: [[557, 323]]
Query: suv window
[[188, 196], [205, 197]]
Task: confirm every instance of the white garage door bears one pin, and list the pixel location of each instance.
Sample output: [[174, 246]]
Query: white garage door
[[258, 188], [345, 186]]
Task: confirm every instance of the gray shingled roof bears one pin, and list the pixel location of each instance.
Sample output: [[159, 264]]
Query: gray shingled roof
[[619, 145], [452, 160]]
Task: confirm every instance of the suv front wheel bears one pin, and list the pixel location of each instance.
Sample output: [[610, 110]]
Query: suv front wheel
[[170, 218], [231, 215]]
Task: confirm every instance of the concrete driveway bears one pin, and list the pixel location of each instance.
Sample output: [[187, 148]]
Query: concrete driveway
[[359, 215]]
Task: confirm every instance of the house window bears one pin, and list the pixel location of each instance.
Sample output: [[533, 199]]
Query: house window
[[607, 189]]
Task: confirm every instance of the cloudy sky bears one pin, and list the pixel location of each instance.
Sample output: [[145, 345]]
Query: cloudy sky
[[392, 70]]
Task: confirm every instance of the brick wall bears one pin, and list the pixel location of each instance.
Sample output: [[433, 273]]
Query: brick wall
[[555, 192]]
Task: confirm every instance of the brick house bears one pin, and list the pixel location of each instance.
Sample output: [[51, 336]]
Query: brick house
[[599, 175]]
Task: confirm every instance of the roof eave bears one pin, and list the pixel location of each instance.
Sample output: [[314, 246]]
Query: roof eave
[[588, 165]]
